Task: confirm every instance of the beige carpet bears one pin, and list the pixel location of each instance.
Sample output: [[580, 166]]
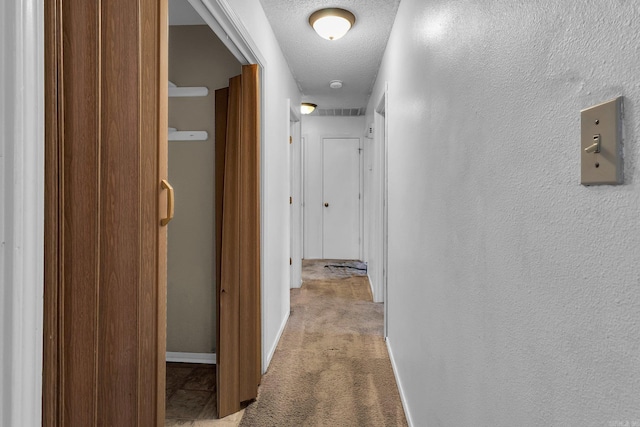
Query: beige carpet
[[331, 367]]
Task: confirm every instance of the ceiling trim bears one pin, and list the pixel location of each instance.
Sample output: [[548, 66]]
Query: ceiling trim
[[229, 28]]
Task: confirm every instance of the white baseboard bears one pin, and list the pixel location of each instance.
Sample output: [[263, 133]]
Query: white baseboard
[[275, 344], [373, 294], [403, 398], [206, 358]]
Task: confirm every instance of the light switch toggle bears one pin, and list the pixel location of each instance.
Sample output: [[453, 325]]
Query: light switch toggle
[[595, 147]]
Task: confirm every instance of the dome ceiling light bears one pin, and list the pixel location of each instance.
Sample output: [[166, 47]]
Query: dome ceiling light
[[307, 108], [332, 23], [335, 84]]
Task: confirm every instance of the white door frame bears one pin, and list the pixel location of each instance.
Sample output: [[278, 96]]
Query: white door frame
[[21, 211], [382, 136], [295, 192], [232, 33]]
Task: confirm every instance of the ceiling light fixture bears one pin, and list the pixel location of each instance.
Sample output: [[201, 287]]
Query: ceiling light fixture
[[332, 23], [335, 84], [307, 107]]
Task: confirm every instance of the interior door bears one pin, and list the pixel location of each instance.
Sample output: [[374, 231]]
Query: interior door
[[238, 358], [341, 195], [105, 259]]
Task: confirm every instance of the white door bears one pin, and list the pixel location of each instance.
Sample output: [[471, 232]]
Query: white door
[[341, 198]]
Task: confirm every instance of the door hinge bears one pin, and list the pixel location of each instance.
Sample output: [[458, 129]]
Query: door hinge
[[290, 261], [359, 196], [290, 200], [290, 139]]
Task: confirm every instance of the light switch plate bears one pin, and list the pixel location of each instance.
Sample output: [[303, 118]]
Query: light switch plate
[[602, 124]]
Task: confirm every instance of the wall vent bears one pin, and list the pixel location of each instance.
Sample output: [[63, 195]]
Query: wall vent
[[340, 112]]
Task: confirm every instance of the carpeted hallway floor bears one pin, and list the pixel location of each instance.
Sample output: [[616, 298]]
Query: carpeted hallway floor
[[331, 367]]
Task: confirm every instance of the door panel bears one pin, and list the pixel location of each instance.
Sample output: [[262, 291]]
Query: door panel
[[249, 209], [229, 302], [105, 154], [341, 189], [238, 241]]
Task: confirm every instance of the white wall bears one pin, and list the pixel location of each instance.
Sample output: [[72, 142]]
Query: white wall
[[514, 292], [21, 211], [314, 129], [279, 88]]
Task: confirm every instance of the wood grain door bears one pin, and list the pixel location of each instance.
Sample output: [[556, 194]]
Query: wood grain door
[[238, 241], [106, 153]]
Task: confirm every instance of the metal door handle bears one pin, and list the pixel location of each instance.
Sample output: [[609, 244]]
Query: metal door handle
[[326, 205], [164, 184]]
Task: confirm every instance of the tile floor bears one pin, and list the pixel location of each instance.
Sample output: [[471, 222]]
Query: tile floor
[[191, 397]]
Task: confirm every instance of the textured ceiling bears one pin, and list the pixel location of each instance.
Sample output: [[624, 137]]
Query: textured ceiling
[[314, 61]]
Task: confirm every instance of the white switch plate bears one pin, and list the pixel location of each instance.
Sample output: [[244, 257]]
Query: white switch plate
[[605, 165]]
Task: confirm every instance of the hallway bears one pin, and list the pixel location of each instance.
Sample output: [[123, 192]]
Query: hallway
[[511, 288], [331, 366]]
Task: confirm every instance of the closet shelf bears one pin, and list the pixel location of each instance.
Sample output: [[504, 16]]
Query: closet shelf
[[175, 91], [187, 135]]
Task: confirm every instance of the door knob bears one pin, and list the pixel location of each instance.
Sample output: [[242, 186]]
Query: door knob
[[326, 205]]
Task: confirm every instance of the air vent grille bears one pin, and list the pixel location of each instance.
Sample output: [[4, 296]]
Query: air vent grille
[[341, 112]]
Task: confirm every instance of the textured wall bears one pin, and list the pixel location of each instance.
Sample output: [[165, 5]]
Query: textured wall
[[314, 128], [196, 58], [514, 292]]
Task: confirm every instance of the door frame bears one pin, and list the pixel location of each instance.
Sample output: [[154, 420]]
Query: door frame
[[226, 25], [22, 216], [382, 142], [295, 192]]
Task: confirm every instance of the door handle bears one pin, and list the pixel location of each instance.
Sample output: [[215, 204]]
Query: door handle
[[164, 184], [326, 205]]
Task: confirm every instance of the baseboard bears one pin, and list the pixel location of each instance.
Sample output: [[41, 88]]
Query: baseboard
[[403, 398], [181, 357], [275, 344], [373, 294]]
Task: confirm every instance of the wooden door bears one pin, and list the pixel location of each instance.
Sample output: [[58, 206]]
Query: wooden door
[[341, 198], [106, 153], [238, 357]]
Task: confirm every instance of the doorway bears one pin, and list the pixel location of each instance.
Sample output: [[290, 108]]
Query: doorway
[[197, 60], [214, 251], [199, 63]]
